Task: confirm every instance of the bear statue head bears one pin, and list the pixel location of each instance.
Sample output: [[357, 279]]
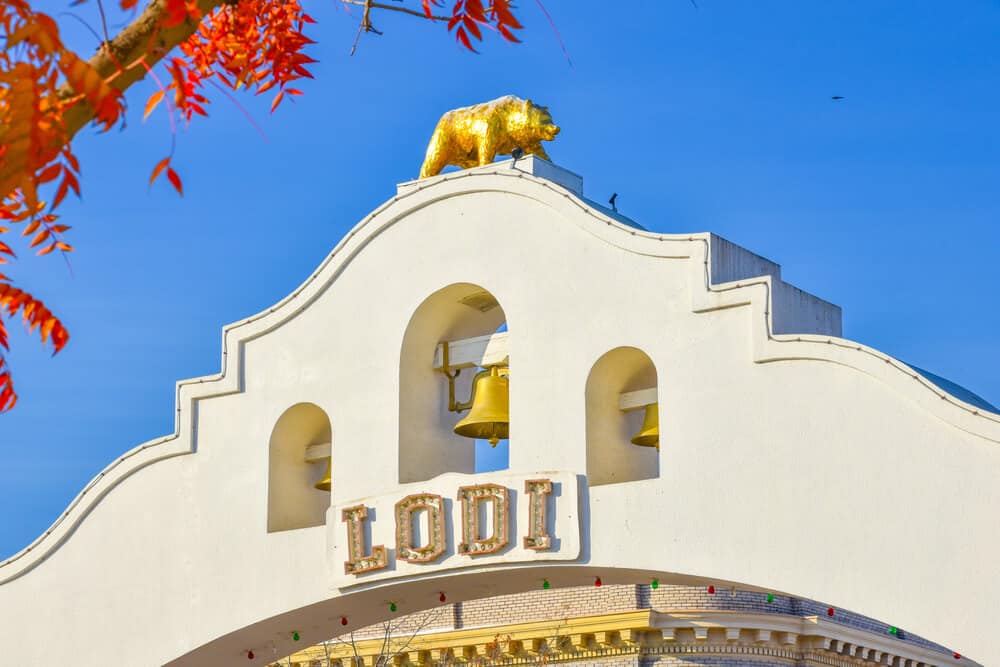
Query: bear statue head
[[540, 119]]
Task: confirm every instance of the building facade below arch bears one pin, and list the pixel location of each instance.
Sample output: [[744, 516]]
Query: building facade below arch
[[641, 625]]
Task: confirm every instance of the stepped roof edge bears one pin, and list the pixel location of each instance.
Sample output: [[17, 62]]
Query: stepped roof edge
[[795, 310]]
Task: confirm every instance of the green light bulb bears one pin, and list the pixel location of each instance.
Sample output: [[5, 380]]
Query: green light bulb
[[545, 584], [893, 630], [655, 584], [295, 636], [392, 606], [770, 597]]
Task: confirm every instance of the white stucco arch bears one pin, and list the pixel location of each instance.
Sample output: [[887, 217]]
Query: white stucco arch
[[806, 436]]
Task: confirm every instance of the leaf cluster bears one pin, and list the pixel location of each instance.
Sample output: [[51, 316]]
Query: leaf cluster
[[39, 79], [468, 15]]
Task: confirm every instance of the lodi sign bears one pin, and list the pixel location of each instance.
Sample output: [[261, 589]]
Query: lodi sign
[[455, 521]]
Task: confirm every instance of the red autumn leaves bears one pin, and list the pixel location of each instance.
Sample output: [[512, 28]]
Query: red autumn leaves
[[468, 15], [253, 44], [37, 318], [39, 80], [256, 45]]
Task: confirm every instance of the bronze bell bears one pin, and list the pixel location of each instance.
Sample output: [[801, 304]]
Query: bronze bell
[[649, 434], [489, 416], [325, 483]]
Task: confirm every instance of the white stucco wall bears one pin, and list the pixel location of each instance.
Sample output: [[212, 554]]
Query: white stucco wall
[[791, 460]]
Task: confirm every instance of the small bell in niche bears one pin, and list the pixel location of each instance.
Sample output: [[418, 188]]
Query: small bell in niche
[[489, 413], [649, 433], [325, 483]]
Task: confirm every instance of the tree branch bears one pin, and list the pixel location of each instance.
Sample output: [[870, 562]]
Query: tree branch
[[147, 38], [118, 60], [395, 8]]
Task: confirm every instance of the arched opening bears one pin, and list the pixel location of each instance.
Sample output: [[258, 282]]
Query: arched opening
[[611, 455], [469, 318], [490, 458], [298, 454]]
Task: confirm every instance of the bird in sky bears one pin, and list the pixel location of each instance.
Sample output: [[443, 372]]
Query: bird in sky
[[837, 98]]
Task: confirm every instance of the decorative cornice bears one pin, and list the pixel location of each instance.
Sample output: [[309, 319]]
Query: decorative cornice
[[807, 639]]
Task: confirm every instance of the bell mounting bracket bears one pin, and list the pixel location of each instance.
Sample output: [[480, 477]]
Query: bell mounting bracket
[[455, 405]]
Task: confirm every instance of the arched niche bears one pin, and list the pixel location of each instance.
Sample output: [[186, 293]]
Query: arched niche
[[293, 501], [611, 457], [427, 445]]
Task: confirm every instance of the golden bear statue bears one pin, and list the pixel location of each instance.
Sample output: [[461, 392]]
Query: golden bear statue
[[473, 136]]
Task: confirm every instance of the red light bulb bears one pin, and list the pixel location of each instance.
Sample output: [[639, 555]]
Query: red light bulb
[[249, 655], [597, 581], [442, 597], [343, 620], [958, 656], [830, 612], [711, 590]]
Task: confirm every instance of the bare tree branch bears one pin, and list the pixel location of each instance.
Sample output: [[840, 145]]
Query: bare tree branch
[[389, 649], [396, 8], [423, 623], [386, 636]]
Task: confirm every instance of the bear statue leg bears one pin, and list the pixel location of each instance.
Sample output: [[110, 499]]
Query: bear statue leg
[[486, 147], [431, 168], [486, 151], [437, 155]]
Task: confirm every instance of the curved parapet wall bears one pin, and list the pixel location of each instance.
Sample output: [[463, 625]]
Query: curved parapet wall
[[791, 460]]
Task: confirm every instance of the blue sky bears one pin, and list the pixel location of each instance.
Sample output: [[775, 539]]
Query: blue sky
[[710, 119]]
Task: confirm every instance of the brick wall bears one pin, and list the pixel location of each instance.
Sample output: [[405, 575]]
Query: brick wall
[[440, 619], [544, 605]]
